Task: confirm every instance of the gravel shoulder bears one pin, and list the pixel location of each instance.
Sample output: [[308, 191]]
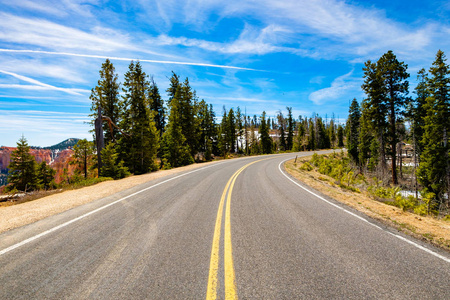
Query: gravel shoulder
[[425, 228], [29, 212]]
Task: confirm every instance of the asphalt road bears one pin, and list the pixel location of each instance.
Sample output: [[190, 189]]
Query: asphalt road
[[239, 228]]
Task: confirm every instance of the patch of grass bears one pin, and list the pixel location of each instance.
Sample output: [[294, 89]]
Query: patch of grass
[[323, 178], [428, 236], [44, 193]]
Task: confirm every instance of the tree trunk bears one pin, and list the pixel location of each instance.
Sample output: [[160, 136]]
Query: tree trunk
[[99, 139], [393, 144]]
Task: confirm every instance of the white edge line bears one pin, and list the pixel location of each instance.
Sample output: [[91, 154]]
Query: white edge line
[[24, 242], [363, 219]]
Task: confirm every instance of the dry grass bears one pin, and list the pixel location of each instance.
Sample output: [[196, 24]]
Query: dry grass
[[426, 228]]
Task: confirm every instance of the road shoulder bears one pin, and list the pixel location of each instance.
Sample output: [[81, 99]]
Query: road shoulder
[[432, 230]]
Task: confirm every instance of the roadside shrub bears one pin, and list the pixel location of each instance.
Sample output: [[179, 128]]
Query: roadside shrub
[[421, 209], [405, 203], [306, 167]]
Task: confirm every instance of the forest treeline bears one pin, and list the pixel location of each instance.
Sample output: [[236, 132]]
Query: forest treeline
[[152, 133], [387, 117], [143, 132]]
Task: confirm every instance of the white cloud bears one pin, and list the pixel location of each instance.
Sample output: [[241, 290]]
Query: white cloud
[[60, 8], [251, 41], [37, 85], [316, 28], [36, 126], [340, 87], [43, 33], [129, 59]]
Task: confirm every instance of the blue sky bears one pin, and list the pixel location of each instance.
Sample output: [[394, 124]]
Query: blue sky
[[259, 55]]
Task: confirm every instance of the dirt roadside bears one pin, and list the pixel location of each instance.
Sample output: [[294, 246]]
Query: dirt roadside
[[425, 228], [29, 212]]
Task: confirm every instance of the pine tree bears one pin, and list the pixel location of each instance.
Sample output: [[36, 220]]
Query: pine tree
[[322, 138], [354, 116], [417, 111], [311, 144], [45, 176], [157, 106], [187, 106], [223, 134], [240, 129], [340, 134], [299, 143], [82, 155], [332, 132], [106, 94], [208, 129], [434, 170], [366, 136], [281, 130], [394, 75], [139, 149], [173, 87], [176, 152], [290, 129], [266, 140], [376, 108], [111, 168], [231, 131], [22, 168]]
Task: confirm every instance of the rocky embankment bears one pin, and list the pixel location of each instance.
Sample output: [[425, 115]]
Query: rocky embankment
[[57, 156]]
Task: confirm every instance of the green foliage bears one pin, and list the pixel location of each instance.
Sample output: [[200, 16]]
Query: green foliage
[[46, 176], [106, 94], [306, 167], [405, 204], [337, 166], [386, 88], [157, 107], [353, 125], [340, 135], [82, 156], [22, 169], [384, 192], [83, 182], [434, 169], [138, 150], [266, 140], [176, 151], [111, 168], [290, 129]]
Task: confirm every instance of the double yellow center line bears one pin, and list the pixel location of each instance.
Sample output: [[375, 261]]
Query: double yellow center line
[[230, 284]]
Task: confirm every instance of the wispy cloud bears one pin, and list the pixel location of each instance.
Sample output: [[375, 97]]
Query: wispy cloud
[[129, 59], [57, 8], [251, 41], [340, 87], [317, 28], [36, 126], [37, 85], [242, 99], [44, 33]]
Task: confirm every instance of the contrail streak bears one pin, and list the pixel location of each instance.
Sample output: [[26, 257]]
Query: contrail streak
[[127, 59]]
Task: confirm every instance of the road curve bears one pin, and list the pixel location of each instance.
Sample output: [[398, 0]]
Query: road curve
[[238, 228]]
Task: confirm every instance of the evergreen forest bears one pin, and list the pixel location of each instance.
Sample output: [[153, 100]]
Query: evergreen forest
[[397, 137]]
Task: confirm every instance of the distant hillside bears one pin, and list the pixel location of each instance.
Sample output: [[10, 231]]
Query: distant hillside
[[69, 143], [57, 156]]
